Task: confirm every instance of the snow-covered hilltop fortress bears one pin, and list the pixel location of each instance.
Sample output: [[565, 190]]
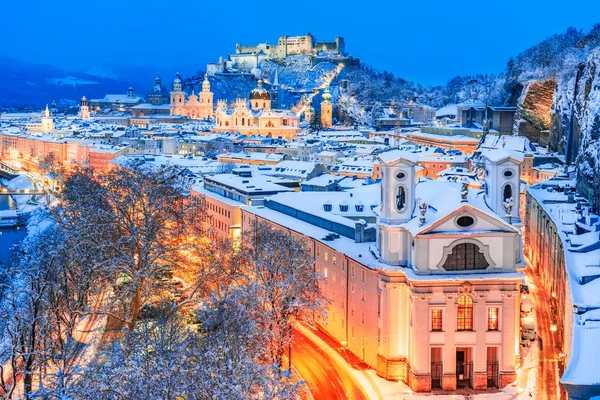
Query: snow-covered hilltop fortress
[[246, 58], [294, 45]]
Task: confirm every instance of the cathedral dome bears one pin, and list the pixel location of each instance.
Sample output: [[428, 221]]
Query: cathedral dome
[[260, 93]]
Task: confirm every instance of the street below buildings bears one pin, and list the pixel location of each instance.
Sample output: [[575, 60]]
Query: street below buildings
[[325, 380], [548, 372]]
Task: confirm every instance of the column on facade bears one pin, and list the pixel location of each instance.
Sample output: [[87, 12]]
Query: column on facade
[[479, 351], [420, 364], [449, 367], [509, 336], [391, 355]]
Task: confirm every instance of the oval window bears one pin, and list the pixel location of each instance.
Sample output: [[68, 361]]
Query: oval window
[[465, 221], [400, 175], [508, 173]]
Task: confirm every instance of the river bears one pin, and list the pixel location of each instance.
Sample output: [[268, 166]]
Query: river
[[9, 236]]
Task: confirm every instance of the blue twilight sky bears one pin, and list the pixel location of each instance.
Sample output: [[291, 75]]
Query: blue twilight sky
[[428, 41]]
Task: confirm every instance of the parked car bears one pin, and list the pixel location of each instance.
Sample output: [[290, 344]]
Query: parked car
[[528, 328], [526, 307]]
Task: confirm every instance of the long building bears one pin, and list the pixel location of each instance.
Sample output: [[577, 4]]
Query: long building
[[423, 277], [562, 242]]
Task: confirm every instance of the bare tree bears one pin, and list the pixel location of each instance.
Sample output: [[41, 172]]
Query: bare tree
[[282, 269], [137, 227]]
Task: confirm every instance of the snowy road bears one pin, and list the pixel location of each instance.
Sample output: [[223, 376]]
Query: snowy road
[[325, 380]]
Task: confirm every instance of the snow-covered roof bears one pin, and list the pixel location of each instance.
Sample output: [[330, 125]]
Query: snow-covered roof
[[450, 109], [391, 157]]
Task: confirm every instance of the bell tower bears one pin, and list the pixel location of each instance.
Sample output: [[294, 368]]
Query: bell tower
[[84, 109], [326, 109], [206, 97], [503, 182], [177, 96], [397, 203]]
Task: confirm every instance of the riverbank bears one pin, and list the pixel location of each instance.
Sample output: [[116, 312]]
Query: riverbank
[[15, 209]]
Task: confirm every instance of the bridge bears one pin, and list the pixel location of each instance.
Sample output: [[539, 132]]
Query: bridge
[[8, 172], [29, 192]]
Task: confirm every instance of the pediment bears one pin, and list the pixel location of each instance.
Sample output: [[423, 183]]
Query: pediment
[[482, 222]]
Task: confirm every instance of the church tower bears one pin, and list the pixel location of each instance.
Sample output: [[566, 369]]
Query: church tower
[[503, 182], [206, 98], [177, 96], [47, 120], [397, 204], [326, 109], [130, 93], [275, 92], [84, 109]]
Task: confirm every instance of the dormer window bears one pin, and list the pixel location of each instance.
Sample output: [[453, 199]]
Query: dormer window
[[343, 207], [359, 207], [327, 207]]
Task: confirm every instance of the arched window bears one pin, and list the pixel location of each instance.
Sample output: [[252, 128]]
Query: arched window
[[256, 104], [400, 198], [507, 194], [464, 320], [465, 256], [243, 121]]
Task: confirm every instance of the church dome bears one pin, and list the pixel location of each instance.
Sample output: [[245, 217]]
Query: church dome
[[260, 93], [327, 94]]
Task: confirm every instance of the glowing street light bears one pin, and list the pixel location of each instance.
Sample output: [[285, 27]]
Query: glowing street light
[[553, 328]]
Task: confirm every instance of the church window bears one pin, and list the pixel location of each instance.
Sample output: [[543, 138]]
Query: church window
[[256, 104], [243, 121], [465, 256], [436, 320], [465, 314], [508, 173], [226, 123], [465, 221], [400, 175], [264, 104], [507, 192], [400, 198], [492, 319]]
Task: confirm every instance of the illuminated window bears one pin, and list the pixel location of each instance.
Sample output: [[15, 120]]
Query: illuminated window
[[436, 320], [465, 256], [465, 314], [493, 319], [325, 272]]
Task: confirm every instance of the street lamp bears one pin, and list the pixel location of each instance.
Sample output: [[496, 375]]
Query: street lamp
[[553, 328]]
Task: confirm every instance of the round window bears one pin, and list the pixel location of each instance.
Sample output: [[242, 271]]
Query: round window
[[508, 173], [465, 221], [400, 175]]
